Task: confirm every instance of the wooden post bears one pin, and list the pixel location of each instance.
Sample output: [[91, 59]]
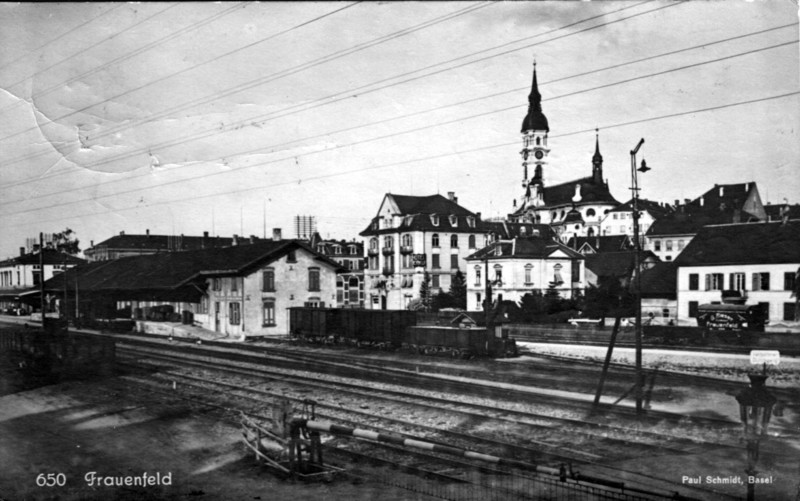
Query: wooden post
[[607, 362]]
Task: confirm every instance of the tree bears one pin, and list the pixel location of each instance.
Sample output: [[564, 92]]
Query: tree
[[65, 242], [458, 291], [425, 292]]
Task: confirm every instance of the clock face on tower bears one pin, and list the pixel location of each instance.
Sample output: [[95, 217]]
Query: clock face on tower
[[539, 154]]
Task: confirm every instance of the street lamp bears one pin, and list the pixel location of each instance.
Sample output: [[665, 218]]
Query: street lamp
[[637, 258], [755, 409]]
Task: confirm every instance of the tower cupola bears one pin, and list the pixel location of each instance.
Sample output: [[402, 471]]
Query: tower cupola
[[535, 119]]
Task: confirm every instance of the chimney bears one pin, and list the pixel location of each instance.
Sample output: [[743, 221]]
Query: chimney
[[746, 187], [122, 233], [22, 251], [276, 234], [721, 190], [677, 203], [702, 201], [236, 240], [205, 234], [478, 216], [147, 232], [451, 195], [91, 243], [252, 239]]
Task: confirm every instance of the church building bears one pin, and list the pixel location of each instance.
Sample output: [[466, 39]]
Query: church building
[[574, 208]]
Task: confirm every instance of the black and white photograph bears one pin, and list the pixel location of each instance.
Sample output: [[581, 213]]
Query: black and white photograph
[[344, 250]]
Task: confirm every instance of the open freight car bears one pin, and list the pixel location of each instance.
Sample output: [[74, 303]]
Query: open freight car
[[393, 329]]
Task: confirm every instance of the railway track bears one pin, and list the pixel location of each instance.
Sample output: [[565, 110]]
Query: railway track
[[646, 449]]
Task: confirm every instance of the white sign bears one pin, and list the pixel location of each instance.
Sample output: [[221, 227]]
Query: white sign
[[771, 357]]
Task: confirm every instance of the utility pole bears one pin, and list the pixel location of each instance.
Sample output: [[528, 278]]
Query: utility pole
[[41, 278], [638, 278]]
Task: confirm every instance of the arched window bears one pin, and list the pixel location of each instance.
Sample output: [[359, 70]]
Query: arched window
[[435, 240], [590, 213], [538, 141], [373, 243], [454, 241], [388, 242], [590, 232], [477, 275], [407, 240], [471, 241], [498, 274]]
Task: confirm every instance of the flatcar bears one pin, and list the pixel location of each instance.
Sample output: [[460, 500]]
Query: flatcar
[[736, 317], [394, 330]]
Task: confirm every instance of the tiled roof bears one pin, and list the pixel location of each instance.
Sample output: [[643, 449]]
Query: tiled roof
[[615, 264], [606, 243], [163, 242], [591, 192], [656, 209], [431, 204], [709, 208], [660, 281], [524, 247], [50, 256], [751, 243], [171, 271]]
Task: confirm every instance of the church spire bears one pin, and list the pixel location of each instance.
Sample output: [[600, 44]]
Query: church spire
[[535, 119], [597, 160]]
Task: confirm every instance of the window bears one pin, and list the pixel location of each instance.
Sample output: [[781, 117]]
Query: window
[[388, 242], [590, 213], [557, 274], [435, 240], [373, 243], [453, 221], [269, 313], [478, 276], [454, 241], [407, 240], [234, 313], [216, 284], [435, 261], [234, 284], [680, 244], [434, 220], [576, 271], [478, 300], [454, 261], [714, 281], [657, 245], [339, 290], [528, 274], [204, 305], [498, 274], [788, 311], [622, 228], [291, 256], [471, 241], [761, 281], [614, 216], [694, 281], [669, 245], [693, 309], [435, 281], [314, 302], [736, 281], [665, 312], [471, 221], [353, 250], [313, 279], [789, 281]]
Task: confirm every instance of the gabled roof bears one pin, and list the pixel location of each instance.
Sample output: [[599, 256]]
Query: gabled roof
[[590, 192], [722, 204], [523, 248], [171, 271], [751, 243], [605, 243], [162, 242], [50, 257], [615, 264], [660, 281], [656, 209]]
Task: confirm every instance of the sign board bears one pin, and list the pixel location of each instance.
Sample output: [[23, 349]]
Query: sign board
[[771, 357]]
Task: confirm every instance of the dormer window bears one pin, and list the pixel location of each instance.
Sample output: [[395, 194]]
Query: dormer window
[[337, 249], [321, 248], [434, 220], [453, 221], [471, 221], [407, 220]]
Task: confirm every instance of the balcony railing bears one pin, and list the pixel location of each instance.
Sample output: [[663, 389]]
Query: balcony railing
[[372, 251], [406, 249], [387, 251]]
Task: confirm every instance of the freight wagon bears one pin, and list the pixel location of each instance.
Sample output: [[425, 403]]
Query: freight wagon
[[394, 329]]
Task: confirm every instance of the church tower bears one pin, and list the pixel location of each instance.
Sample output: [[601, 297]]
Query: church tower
[[534, 152], [597, 161]]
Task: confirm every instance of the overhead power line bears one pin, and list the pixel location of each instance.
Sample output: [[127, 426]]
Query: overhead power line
[[27, 54], [124, 57], [113, 130], [286, 144], [195, 197], [348, 93]]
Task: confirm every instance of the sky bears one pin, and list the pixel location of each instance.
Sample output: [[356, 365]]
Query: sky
[[233, 118]]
